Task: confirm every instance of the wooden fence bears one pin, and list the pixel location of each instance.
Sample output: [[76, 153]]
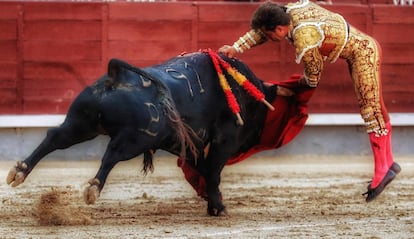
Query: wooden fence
[[49, 51]]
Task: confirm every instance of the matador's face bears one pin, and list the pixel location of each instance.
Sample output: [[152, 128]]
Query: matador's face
[[279, 33]]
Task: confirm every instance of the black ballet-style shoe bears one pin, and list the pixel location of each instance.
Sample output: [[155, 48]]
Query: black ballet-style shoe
[[396, 168], [373, 193]]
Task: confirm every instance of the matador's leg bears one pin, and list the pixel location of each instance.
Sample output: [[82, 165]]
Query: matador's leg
[[365, 71]]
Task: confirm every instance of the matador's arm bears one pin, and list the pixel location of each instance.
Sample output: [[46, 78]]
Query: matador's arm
[[250, 39], [307, 39], [313, 66]]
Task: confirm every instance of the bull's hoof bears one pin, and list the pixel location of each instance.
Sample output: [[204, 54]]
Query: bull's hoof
[[17, 174], [218, 210], [373, 193], [91, 192]]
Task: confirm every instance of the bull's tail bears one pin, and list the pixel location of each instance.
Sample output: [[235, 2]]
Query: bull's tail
[[148, 162], [184, 133]]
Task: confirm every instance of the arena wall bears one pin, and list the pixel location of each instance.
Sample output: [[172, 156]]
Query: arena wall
[[52, 50], [324, 134]]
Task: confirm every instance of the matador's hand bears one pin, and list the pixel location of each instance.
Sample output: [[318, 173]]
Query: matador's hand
[[284, 91], [280, 90], [228, 51], [311, 82]]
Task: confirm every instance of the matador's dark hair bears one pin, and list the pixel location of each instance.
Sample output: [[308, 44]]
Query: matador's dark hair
[[269, 15]]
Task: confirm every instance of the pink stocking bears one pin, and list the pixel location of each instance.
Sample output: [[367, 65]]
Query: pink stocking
[[379, 146], [390, 157]]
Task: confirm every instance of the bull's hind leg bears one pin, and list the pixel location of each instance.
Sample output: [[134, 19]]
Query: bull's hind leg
[[120, 149], [57, 138]]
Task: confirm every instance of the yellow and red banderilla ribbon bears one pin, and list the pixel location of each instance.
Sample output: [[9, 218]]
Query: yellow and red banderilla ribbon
[[240, 79]]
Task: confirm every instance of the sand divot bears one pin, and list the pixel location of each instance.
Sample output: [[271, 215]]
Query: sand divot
[[54, 208]]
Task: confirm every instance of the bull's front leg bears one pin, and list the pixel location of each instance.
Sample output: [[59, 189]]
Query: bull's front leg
[[215, 164]]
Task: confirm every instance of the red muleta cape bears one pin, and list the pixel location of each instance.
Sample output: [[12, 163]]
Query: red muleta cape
[[281, 126]]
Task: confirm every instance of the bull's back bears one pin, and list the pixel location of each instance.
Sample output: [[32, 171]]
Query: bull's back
[[194, 87]]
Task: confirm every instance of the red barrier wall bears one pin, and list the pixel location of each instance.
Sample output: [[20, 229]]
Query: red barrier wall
[[51, 50]]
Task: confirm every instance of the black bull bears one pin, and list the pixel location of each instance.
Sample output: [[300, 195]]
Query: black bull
[[177, 106]]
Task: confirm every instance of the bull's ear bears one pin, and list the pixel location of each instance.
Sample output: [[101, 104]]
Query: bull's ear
[[114, 66]]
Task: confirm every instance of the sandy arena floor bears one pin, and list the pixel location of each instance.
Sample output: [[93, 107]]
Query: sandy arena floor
[[287, 197]]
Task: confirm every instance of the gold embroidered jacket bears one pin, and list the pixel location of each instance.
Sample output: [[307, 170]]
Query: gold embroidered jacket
[[316, 33]]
